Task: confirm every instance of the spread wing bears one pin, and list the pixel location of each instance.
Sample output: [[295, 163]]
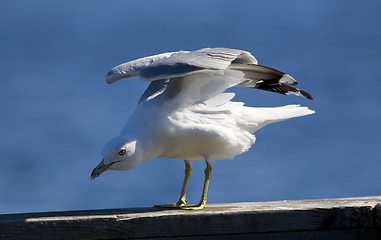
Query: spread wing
[[206, 67], [178, 64]]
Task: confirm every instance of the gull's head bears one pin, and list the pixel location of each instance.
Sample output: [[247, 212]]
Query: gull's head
[[118, 154]]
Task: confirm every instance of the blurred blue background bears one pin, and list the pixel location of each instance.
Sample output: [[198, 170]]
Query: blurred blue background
[[57, 111]]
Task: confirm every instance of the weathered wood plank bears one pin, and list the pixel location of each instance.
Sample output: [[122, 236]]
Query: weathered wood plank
[[220, 221], [351, 234]]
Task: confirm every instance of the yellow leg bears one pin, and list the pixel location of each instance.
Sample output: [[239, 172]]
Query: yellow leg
[[201, 205], [182, 201]]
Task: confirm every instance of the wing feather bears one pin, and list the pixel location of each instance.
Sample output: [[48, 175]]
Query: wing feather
[[132, 68], [268, 79], [202, 74], [178, 64]]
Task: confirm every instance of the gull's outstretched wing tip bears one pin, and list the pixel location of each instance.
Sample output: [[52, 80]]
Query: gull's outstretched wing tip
[[287, 78], [290, 80], [111, 77], [131, 69], [117, 74]]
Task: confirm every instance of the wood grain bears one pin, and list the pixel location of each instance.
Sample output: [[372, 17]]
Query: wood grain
[[344, 218]]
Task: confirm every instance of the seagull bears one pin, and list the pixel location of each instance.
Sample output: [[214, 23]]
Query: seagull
[[186, 114]]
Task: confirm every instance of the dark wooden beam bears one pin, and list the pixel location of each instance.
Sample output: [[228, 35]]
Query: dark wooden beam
[[347, 218]]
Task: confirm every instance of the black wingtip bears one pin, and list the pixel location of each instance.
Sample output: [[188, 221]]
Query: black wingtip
[[268, 79], [306, 94], [274, 86]]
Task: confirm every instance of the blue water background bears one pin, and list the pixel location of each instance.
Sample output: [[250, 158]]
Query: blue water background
[[56, 111]]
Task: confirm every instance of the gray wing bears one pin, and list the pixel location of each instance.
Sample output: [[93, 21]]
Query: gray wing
[[178, 64], [132, 68], [174, 65]]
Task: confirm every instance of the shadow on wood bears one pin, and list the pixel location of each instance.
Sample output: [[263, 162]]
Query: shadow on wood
[[347, 218]]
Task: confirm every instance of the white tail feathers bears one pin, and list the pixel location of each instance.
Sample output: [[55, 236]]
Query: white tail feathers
[[260, 117], [291, 111]]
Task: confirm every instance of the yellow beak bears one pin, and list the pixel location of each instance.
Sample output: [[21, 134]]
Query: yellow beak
[[98, 170]]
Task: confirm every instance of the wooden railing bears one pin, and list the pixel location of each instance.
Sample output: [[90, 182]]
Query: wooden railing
[[347, 218]]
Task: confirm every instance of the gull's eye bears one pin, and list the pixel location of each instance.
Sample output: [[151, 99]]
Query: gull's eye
[[122, 152]]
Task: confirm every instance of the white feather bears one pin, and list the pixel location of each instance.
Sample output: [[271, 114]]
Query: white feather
[[188, 115]]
